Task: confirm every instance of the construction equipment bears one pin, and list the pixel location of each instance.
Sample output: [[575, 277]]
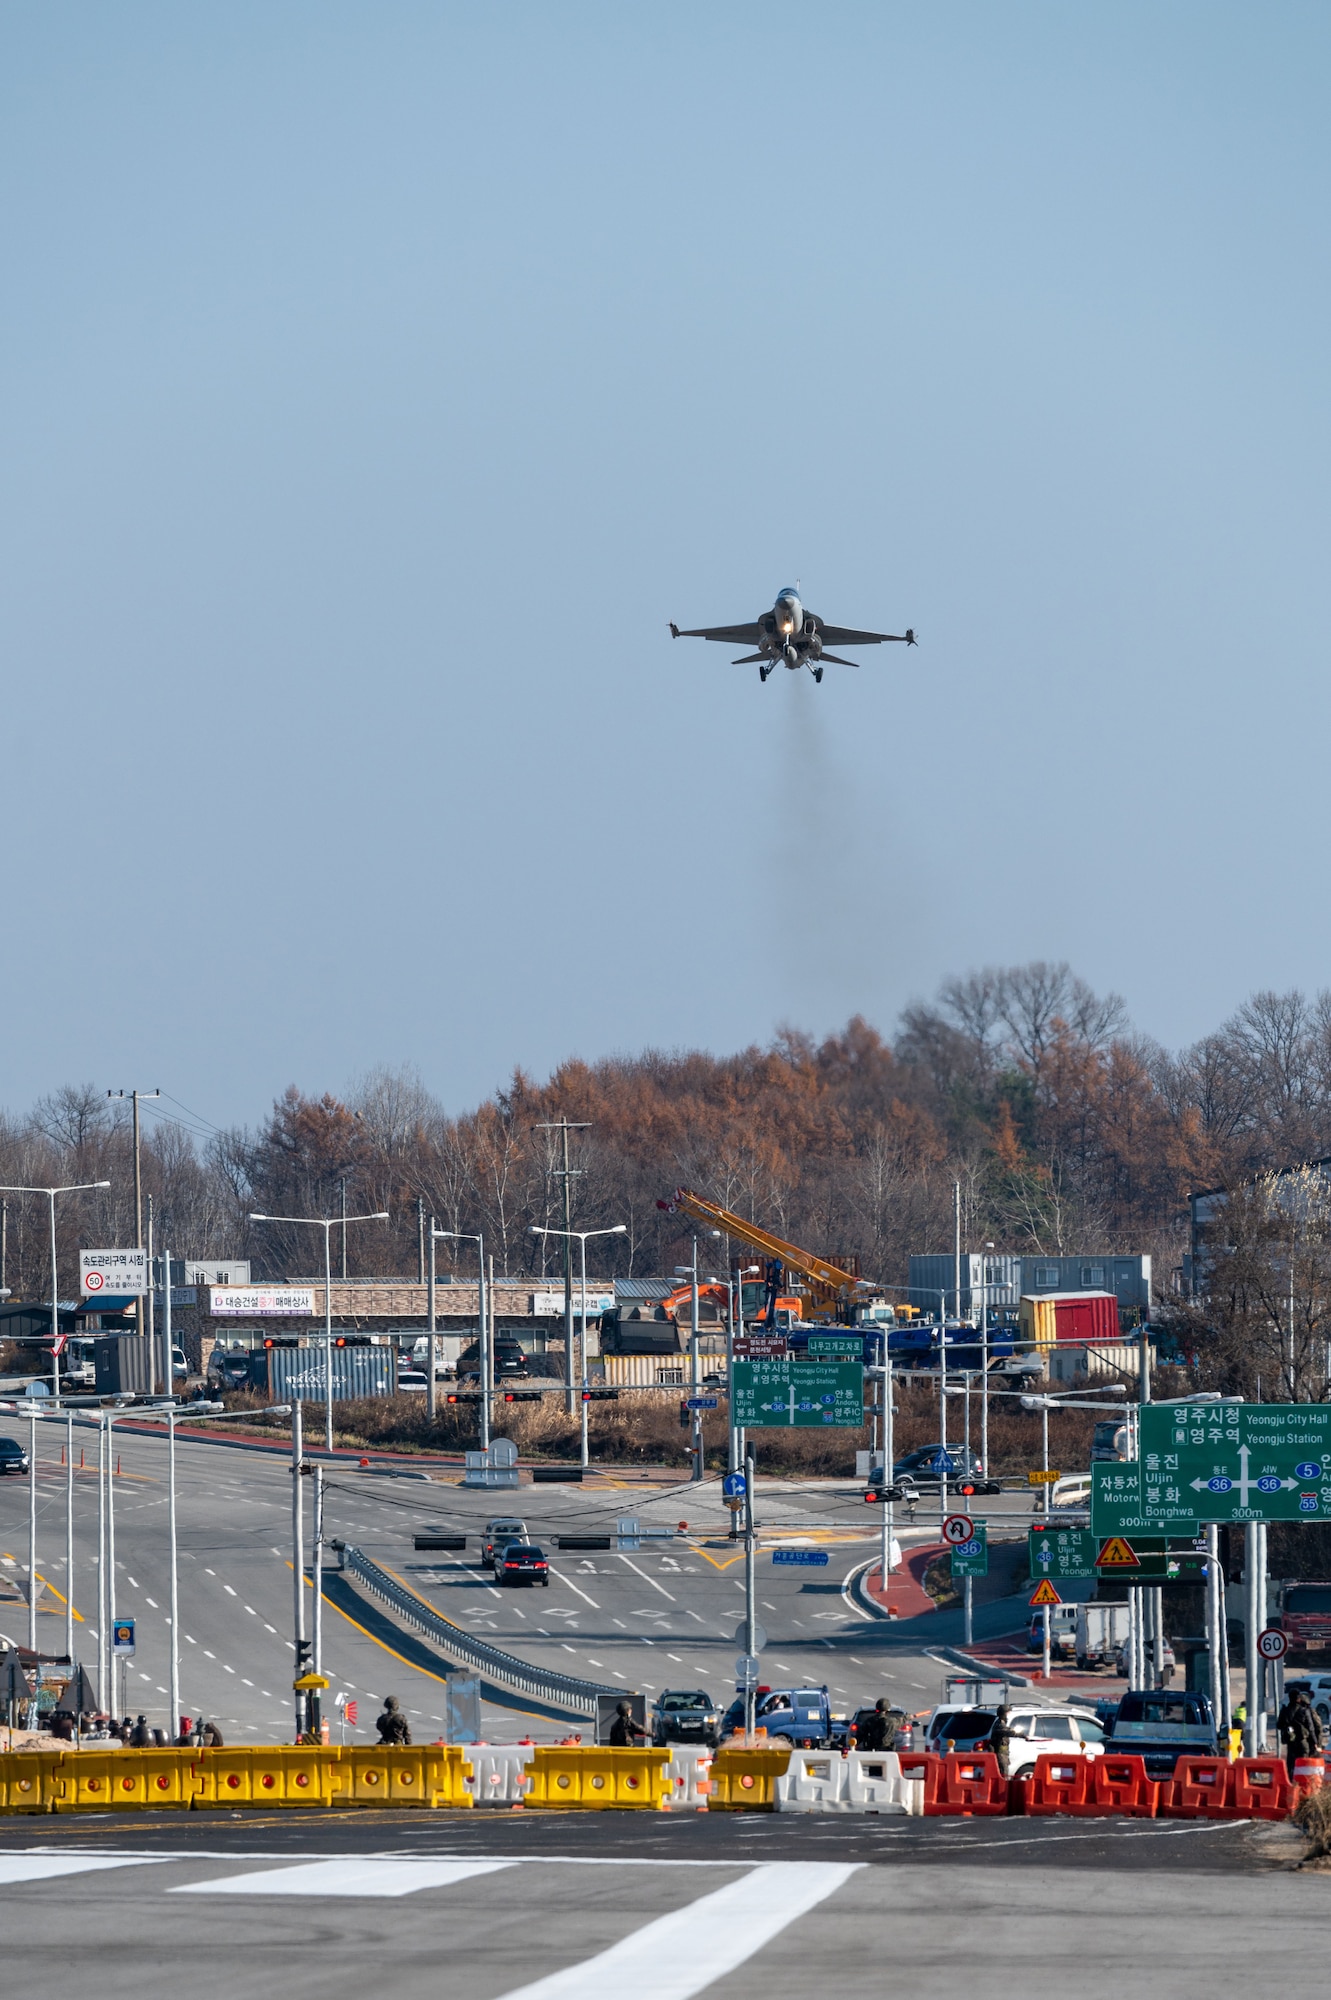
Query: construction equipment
[[832, 1290]]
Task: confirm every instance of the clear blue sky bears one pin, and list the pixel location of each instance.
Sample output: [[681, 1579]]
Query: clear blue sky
[[380, 379]]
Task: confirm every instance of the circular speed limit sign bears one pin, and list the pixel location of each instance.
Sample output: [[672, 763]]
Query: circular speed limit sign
[[958, 1528], [1272, 1644]]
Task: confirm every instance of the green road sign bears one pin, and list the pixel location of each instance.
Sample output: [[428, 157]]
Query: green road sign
[[1116, 1502], [1234, 1462], [1062, 1552], [972, 1558], [783, 1392]]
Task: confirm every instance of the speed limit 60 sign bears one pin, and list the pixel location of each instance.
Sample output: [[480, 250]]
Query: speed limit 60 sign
[[958, 1528], [1272, 1644]]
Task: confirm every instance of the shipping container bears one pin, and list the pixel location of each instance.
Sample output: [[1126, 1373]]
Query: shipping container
[[124, 1365], [284, 1374], [1069, 1316]]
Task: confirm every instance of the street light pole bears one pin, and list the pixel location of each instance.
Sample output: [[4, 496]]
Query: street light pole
[[327, 1224], [69, 1537], [79, 1187], [482, 1321], [618, 1229], [32, 1532]]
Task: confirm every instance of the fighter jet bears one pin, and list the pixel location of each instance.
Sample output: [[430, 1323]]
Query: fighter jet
[[790, 636]]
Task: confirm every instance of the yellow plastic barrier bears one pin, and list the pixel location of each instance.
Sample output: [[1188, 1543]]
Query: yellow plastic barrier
[[286, 1774], [745, 1780], [428, 1774], [597, 1778], [114, 1780], [27, 1781]]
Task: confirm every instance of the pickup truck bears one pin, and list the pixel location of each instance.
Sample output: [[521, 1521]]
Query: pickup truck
[[801, 1715], [1159, 1725]]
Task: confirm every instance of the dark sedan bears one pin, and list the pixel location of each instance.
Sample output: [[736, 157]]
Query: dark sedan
[[523, 1562], [685, 1715], [13, 1457]]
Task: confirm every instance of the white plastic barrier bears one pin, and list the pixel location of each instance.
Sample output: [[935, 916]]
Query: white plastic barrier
[[865, 1781], [814, 1782], [690, 1776], [874, 1784], [498, 1772]]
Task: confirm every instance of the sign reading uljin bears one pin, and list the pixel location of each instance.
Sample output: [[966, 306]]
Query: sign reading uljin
[[287, 1301]]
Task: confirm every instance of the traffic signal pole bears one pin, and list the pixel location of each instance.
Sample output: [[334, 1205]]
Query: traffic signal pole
[[750, 1608]]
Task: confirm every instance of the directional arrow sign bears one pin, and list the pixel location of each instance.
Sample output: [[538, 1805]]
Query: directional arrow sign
[[1234, 1462], [1063, 1552], [971, 1558]]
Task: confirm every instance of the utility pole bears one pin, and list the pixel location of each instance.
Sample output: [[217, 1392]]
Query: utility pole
[[432, 1393], [4, 1241], [750, 1610], [566, 1174], [956, 1217], [145, 1324], [420, 1239], [344, 1229]]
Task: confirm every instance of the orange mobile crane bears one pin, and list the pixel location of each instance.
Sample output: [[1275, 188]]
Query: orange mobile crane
[[830, 1289]]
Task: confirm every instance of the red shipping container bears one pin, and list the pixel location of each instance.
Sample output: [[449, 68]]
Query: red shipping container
[[1086, 1316]]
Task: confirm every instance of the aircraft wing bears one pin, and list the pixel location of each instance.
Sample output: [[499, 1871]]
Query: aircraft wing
[[730, 635], [843, 635]]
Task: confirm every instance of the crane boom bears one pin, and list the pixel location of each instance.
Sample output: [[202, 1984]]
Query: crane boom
[[827, 1279]]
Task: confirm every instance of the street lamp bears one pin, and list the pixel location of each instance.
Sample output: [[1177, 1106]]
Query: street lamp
[[482, 1321], [327, 1223], [79, 1187], [617, 1229]]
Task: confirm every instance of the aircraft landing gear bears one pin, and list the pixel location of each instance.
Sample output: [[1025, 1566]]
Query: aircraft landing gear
[[817, 673], [764, 671]]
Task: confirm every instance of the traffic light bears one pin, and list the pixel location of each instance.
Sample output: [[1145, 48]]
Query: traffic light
[[522, 1395], [281, 1340], [685, 1419], [352, 1340], [876, 1495], [304, 1657], [600, 1395]]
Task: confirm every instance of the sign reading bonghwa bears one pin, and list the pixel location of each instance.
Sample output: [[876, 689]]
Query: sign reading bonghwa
[[1235, 1462], [249, 1302]]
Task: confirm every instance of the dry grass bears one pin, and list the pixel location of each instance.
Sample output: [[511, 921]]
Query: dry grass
[[1313, 1817], [643, 1428]]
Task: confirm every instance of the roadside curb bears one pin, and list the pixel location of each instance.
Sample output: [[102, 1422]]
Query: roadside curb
[[980, 1668]]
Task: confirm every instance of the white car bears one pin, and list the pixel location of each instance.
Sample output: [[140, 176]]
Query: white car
[[1318, 1687], [1123, 1663], [1036, 1730]]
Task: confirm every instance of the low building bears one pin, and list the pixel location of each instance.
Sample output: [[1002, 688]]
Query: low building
[[1004, 1280]]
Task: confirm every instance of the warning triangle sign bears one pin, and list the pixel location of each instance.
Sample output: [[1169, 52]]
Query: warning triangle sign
[[1117, 1554], [1045, 1593]]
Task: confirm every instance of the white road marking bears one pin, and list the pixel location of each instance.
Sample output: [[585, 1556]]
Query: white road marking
[[353, 1875], [573, 1586], [690, 1949], [647, 1579], [41, 1867]]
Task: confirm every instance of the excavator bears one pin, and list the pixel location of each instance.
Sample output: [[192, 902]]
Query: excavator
[[822, 1291]]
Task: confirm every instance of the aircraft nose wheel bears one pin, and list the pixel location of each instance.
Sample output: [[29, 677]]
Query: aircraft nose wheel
[[763, 672], [818, 673]]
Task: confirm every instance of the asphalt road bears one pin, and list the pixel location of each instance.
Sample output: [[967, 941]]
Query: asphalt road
[[663, 1615], [568, 1907]]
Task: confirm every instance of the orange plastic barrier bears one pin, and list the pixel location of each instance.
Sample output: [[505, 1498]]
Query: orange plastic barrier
[[924, 1764], [1058, 1784], [1202, 1788], [745, 1780], [973, 1782], [1120, 1785], [1262, 1789]]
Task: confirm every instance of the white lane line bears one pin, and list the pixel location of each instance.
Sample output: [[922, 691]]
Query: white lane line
[[680, 1954], [573, 1586], [647, 1579], [353, 1875], [41, 1867]]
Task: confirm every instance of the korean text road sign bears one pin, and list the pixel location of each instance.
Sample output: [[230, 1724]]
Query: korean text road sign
[[1068, 1553], [806, 1558], [104, 1273], [122, 1636], [759, 1346], [702, 1402], [958, 1528], [1235, 1462], [786, 1392], [1045, 1593], [1272, 1644], [971, 1557], [1048, 1477], [836, 1346]]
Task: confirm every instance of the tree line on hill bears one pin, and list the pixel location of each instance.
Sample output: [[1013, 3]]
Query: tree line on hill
[[1068, 1130]]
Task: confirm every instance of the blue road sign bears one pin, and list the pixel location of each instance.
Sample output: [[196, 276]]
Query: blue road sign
[[702, 1402], [804, 1558], [122, 1636], [734, 1486], [940, 1463]]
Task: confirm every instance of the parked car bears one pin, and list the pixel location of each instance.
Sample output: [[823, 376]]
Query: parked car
[[1062, 1631], [902, 1722], [522, 1562], [510, 1359], [13, 1455], [1035, 1731], [1317, 1687], [497, 1534], [1158, 1725], [412, 1382], [967, 1469], [685, 1715]]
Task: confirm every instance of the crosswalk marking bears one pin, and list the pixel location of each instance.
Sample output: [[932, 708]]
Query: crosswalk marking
[[680, 1954], [41, 1867], [353, 1875]]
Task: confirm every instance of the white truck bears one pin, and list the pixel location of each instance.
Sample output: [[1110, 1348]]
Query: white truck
[[1101, 1630]]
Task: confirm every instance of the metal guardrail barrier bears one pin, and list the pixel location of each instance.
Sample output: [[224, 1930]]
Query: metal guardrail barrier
[[503, 1668]]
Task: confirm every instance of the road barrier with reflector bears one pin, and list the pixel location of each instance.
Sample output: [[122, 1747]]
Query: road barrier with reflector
[[744, 1779], [690, 1777], [499, 1772], [114, 1780], [381, 1774], [600, 1778], [282, 1774]]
